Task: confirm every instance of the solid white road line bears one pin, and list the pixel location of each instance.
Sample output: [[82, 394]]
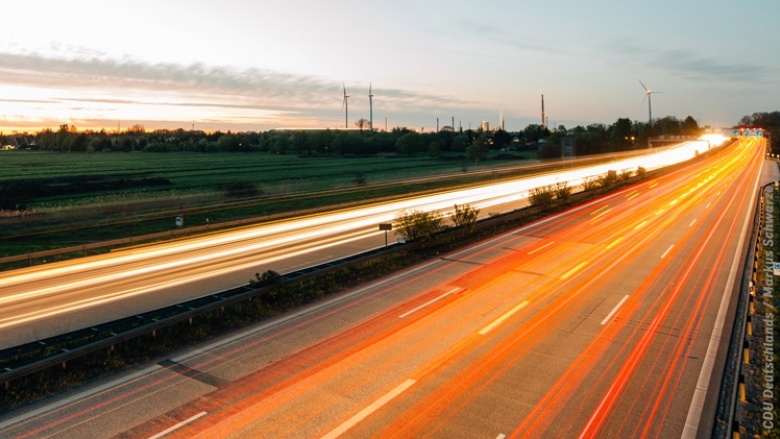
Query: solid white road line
[[702, 385]]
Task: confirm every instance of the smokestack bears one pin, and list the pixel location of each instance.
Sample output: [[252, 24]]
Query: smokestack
[[544, 123]]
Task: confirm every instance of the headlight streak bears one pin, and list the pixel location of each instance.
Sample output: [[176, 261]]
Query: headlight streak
[[140, 264]]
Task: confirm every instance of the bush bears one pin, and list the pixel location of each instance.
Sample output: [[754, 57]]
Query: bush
[[542, 197], [465, 216], [418, 225], [608, 180], [590, 183], [562, 191]]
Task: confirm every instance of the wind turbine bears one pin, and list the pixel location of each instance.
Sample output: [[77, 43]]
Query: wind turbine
[[345, 106], [370, 109], [648, 95]]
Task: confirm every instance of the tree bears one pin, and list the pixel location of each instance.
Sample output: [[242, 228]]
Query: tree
[[690, 127], [362, 124], [501, 139], [478, 149], [460, 143], [621, 135], [534, 132], [408, 143]]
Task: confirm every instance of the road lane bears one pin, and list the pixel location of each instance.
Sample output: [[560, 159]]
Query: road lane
[[47, 300]]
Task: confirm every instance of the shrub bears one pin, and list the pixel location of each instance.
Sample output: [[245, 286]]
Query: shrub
[[542, 197], [608, 180], [562, 191], [590, 183], [418, 225], [465, 216]]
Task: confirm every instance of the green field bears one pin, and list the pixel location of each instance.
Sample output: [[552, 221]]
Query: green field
[[74, 199]]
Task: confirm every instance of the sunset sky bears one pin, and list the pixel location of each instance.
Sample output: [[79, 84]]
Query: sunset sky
[[257, 65]]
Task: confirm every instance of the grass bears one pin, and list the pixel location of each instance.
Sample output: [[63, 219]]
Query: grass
[[91, 205]]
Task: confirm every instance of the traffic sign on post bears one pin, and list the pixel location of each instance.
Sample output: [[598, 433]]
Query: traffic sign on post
[[386, 227]]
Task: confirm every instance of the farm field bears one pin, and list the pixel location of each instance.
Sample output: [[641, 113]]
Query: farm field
[[56, 200]]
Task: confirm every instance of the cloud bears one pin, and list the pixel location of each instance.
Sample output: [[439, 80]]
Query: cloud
[[194, 84], [693, 65]]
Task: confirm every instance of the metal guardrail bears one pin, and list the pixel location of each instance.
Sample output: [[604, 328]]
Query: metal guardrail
[[732, 383], [106, 335]]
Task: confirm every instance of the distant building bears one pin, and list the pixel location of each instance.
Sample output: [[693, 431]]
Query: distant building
[[485, 126]]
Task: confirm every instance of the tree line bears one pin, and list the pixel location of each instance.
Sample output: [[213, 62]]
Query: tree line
[[622, 135]]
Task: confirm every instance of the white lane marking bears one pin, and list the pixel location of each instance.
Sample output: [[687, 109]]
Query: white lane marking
[[542, 247], [614, 310], [708, 205], [452, 291], [667, 251], [692, 223], [376, 405], [178, 426], [501, 436], [702, 385], [506, 315]]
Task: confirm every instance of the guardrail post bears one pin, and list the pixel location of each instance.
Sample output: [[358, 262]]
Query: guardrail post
[[742, 390]]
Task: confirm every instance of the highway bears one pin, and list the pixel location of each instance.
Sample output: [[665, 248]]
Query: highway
[[604, 321], [56, 298]]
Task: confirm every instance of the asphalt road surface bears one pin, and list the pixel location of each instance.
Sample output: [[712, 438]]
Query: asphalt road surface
[[603, 321], [55, 298]]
